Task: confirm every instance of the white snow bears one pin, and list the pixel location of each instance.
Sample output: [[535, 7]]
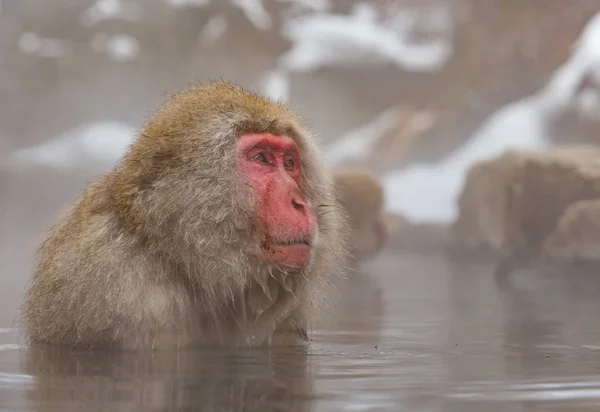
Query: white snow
[[357, 144], [181, 3], [561, 91], [32, 43], [215, 27], [357, 40], [100, 143], [436, 19], [110, 10], [276, 85], [255, 12], [29, 42], [588, 104], [430, 192], [121, 47], [312, 5]]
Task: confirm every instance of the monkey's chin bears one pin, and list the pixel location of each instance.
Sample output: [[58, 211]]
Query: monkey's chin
[[296, 256]]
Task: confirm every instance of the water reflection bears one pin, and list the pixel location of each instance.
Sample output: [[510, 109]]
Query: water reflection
[[209, 379], [357, 310]]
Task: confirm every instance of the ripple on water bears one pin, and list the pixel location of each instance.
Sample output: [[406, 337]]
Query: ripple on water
[[10, 346], [573, 390], [15, 380]]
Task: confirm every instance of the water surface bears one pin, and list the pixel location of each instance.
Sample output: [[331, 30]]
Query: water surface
[[408, 332]]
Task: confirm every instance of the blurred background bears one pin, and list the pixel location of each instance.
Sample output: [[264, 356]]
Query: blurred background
[[479, 118], [417, 91]]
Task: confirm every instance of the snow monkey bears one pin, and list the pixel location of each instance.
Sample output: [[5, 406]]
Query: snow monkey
[[361, 195], [219, 225]]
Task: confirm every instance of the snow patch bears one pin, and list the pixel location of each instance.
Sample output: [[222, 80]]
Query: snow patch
[[562, 89], [101, 143], [321, 39], [357, 144], [358, 40], [121, 47], [32, 43], [214, 29], [182, 3], [430, 192], [310, 5], [255, 12], [110, 10], [276, 85]]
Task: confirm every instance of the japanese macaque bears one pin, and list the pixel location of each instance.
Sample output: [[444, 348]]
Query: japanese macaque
[[219, 225], [361, 195]]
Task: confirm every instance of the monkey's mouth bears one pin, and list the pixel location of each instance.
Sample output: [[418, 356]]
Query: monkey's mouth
[[292, 242], [291, 253]]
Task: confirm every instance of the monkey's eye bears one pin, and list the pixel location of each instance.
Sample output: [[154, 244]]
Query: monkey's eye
[[289, 164], [260, 157]]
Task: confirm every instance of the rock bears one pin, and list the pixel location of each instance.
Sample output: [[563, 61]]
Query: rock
[[481, 223], [514, 202], [546, 184], [576, 237]]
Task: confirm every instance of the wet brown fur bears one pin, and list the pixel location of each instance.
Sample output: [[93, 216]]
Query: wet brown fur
[[362, 197], [155, 252]]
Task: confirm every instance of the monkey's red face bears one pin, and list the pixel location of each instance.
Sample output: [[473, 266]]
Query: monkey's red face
[[272, 167]]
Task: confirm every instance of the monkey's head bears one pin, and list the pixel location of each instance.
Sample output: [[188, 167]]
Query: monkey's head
[[221, 180], [362, 196], [287, 224]]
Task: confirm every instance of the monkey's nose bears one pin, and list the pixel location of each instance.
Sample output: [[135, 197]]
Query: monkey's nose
[[298, 204]]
